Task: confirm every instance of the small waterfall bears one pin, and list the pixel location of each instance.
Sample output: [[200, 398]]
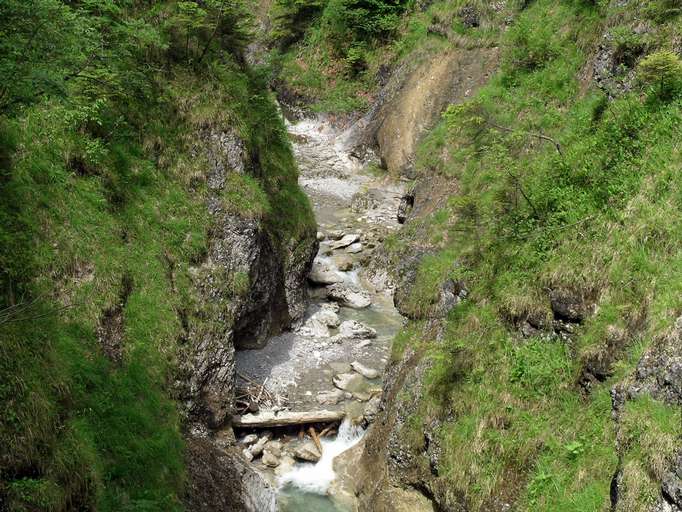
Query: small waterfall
[[316, 478]]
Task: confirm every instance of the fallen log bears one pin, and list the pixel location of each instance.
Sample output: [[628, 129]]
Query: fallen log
[[283, 418]]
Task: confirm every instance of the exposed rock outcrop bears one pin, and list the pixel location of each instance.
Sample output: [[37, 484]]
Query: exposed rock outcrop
[[413, 99], [249, 286], [221, 480], [659, 375]]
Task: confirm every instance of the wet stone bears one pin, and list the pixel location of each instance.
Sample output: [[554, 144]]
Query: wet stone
[[307, 452], [270, 460], [369, 373], [330, 397], [354, 248], [345, 241], [351, 382], [347, 296], [249, 439]]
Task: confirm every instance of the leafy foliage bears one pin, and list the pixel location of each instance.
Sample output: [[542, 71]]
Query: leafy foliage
[[102, 209], [662, 71]]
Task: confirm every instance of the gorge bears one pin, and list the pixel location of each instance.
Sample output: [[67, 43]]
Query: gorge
[[340, 255]]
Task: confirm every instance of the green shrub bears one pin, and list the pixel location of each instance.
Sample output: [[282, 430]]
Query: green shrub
[[348, 22], [530, 47], [662, 72], [291, 18]]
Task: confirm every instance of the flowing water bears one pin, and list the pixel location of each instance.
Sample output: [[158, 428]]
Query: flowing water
[[300, 366], [305, 487]]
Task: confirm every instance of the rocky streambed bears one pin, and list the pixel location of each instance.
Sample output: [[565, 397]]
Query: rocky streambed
[[332, 362]]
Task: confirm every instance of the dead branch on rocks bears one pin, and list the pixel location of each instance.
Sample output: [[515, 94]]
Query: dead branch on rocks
[[255, 396], [316, 440]]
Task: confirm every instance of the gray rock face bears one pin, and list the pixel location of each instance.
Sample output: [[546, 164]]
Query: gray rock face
[[223, 480], [659, 374], [297, 265], [567, 306], [614, 69], [248, 287], [227, 154], [451, 293], [660, 370], [672, 485]]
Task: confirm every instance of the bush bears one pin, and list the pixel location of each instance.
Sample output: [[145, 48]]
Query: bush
[[349, 22], [292, 18], [662, 72], [530, 47]]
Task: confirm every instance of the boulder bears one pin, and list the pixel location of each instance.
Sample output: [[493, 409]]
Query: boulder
[[247, 454], [351, 382], [307, 452], [273, 447], [270, 459], [330, 397], [349, 296], [318, 325], [250, 439], [324, 272], [356, 330], [368, 373], [314, 328], [343, 262], [257, 449], [345, 241], [328, 315], [354, 248], [286, 463], [372, 409]]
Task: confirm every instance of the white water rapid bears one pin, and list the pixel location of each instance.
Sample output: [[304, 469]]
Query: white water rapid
[[316, 478]]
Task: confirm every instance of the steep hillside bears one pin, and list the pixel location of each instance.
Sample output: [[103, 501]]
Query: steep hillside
[[540, 260], [149, 214]]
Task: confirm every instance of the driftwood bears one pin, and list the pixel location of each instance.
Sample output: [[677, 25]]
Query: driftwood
[[326, 431], [316, 439], [255, 396], [284, 418]]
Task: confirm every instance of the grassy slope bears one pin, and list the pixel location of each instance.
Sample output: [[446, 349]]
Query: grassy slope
[[81, 214], [601, 220]]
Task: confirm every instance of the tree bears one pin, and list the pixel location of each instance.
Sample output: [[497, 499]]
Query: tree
[[662, 71]]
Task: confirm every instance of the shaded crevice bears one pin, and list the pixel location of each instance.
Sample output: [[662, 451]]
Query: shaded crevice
[[111, 329]]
